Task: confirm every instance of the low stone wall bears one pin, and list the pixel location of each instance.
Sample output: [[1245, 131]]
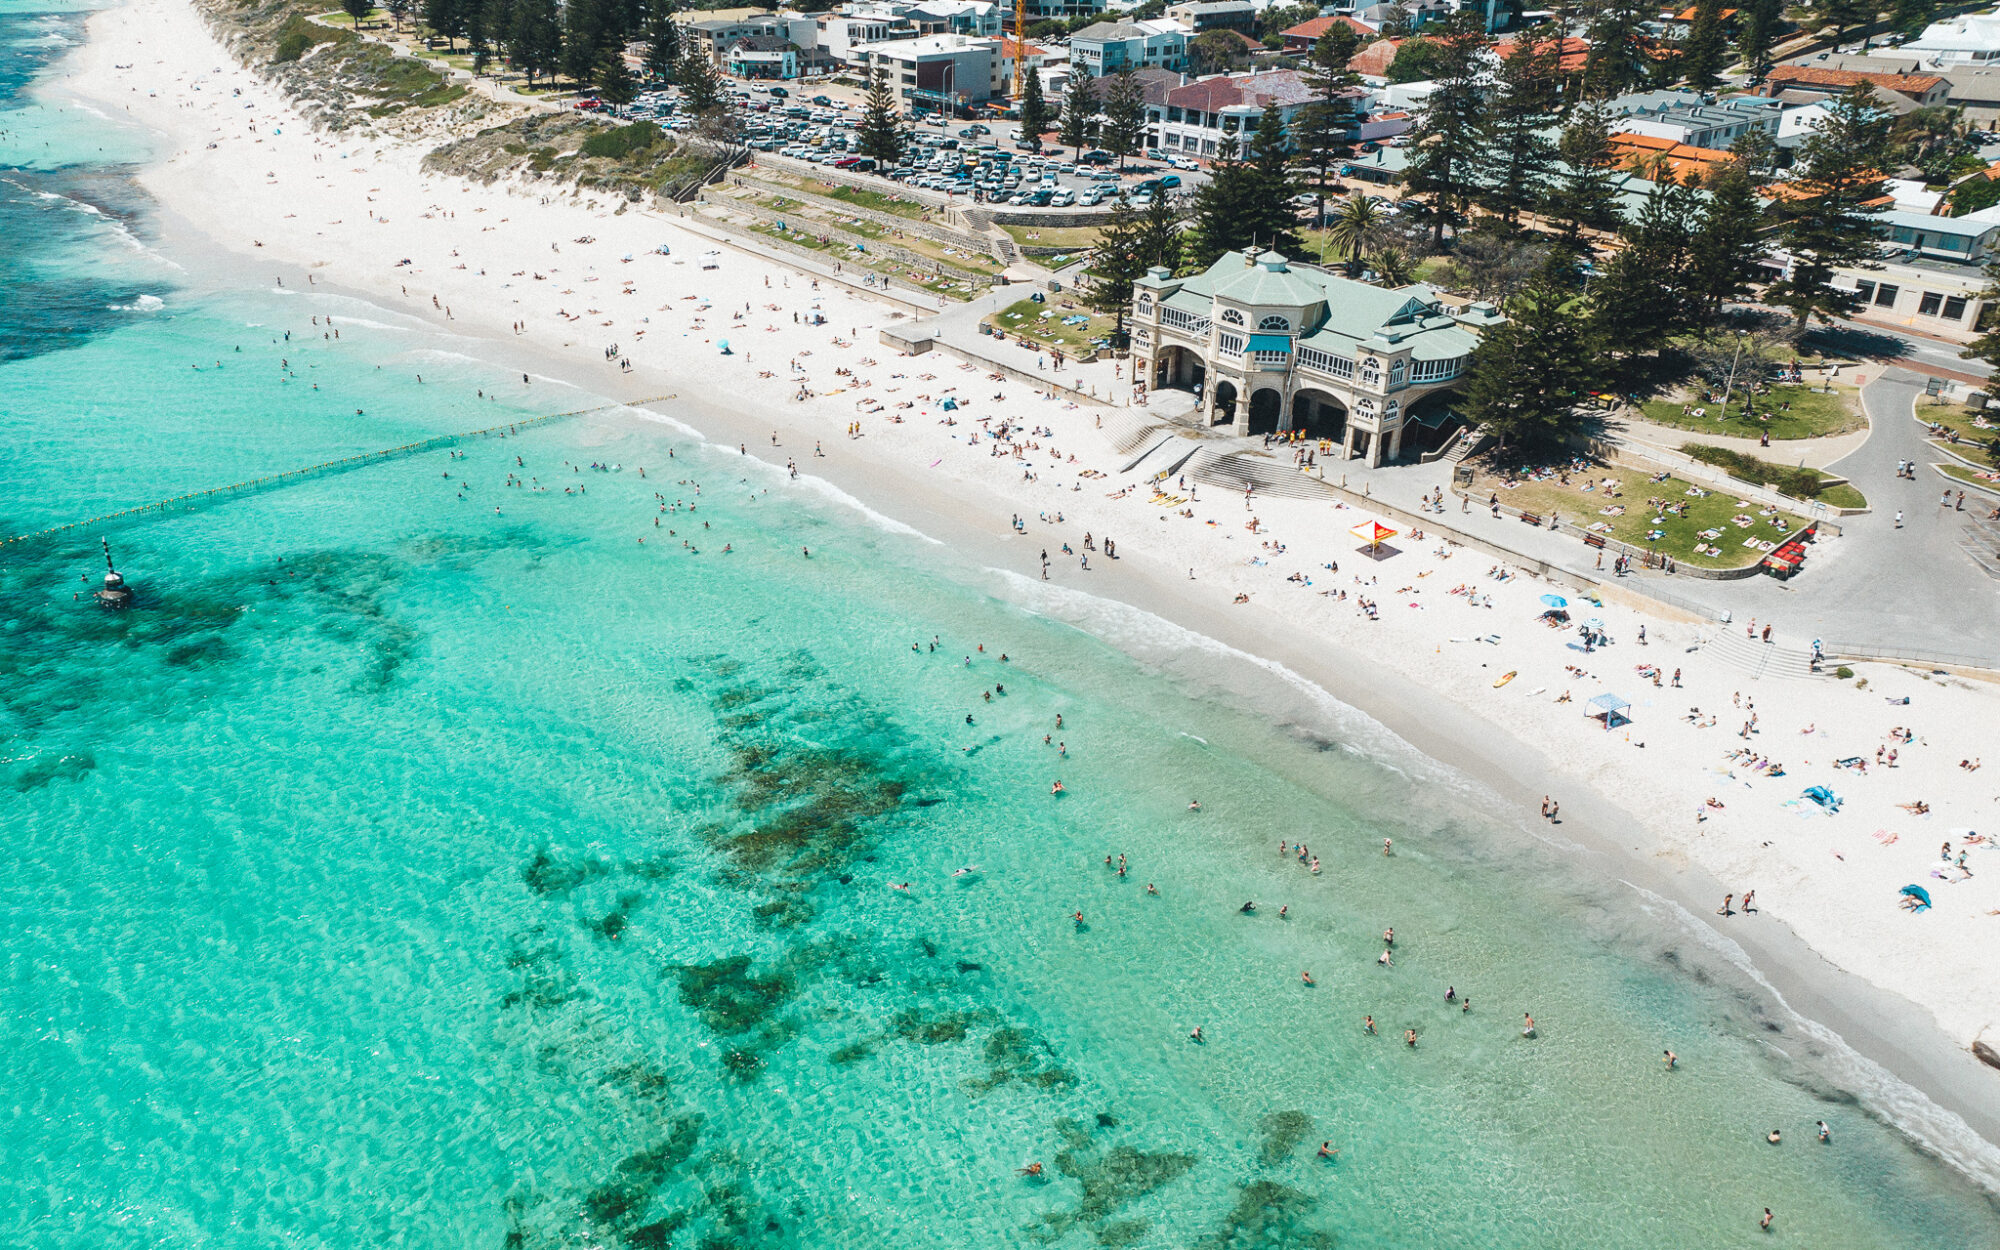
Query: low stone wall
[[917, 344], [1052, 217]]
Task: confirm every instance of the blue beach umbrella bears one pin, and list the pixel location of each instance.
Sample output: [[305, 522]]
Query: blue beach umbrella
[[1917, 892], [1555, 601]]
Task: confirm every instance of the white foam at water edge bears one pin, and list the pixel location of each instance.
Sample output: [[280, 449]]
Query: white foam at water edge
[[818, 485], [145, 303], [1895, 1101], [1153, 638]]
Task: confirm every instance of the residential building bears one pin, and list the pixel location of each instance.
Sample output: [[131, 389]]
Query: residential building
[[1200, 16], [1003, 64], [1675, 26], [1302, 37], [1973, 86], [1269, 346], [1374, 60], [1715, 125], [1113, 47], [1951, 240], [937, 71], [761, 56], [841, 36], [1646, 155], [954, 17], [1968, 39], [1196, 118], [1921, 89], [1931, 297], [1062, 10]]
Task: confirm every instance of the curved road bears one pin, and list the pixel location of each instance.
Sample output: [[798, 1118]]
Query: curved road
[[1877, 585]]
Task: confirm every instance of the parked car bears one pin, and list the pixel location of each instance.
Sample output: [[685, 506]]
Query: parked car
[[780, 93], [1169, 180], [1095, 157], [1064, 198], [822, 100]]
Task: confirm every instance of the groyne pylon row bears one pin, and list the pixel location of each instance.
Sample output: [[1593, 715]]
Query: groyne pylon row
[[237, 490]]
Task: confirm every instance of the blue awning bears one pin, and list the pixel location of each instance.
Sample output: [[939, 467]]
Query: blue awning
[[1270, 343]]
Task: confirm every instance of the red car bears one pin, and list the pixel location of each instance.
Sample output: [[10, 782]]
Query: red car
[[590, 105]]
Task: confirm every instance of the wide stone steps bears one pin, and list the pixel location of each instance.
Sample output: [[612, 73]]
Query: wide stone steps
[[1758, 659], [1233, 470]]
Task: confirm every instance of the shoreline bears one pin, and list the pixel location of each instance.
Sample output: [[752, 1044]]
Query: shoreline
[[1457, 732]]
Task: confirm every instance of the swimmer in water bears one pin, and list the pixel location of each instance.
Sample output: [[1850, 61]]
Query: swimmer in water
[[1248, 907], [1284, 910], [1528, 1025], [1825, 1133], [1386, 844], [1774, 1137], [1307, 977], [904, 886], [1151, 888], [1766, 1221], [1368, 1025], [1196, 1036], [966, 871], [1033, 1169], [1327, 1150], [1670, 1059], [1383, 960], [1410, 1038], [1451, 994], [1388, 937], [1194, 805], [1077, 919], [1057, 788]]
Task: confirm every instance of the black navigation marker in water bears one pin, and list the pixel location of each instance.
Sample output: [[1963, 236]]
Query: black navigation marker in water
[[116, 594]]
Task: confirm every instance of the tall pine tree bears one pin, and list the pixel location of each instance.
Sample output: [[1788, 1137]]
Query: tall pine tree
[[1583, 194], [1446, 141], [1533, 372], [1079, 116], [1723, 253], [1703, 50], [1759, 30], [1267, 197], [1320, 131], [701, 86], [881, 123], [1615, 62], [1036, 115], [1114, 262], [663, 41], [1827, 223], [1124, 130], [534, 43], [1515, 156], [1644, 296]]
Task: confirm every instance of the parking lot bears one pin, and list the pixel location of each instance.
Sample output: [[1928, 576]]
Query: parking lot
[[981, 161]]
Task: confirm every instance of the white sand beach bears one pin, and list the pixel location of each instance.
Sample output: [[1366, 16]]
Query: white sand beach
[[1420, 641]]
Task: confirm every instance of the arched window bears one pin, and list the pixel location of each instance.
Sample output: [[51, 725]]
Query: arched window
[[1232, 317], [1145, 298], [1279, 325]]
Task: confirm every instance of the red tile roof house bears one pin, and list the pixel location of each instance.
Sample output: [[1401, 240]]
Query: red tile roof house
[[1923, 89], [1302, 37], [1195, 118]]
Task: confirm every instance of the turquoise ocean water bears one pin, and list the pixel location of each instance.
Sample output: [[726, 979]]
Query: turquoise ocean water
[[400, 872]]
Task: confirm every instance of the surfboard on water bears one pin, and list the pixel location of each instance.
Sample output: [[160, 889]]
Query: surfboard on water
[[1505, 678]]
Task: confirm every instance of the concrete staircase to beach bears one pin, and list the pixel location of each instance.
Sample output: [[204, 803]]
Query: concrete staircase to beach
[[1233, 470], [1758, 659]]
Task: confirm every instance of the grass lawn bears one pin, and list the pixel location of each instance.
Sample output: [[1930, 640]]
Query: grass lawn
[[1813, 414], [1974, 439], [955, 285], [860, 197], [1715, 510], [1842, 495], [820, 218], [1043, 323], [1069, 238], [1971, 477]]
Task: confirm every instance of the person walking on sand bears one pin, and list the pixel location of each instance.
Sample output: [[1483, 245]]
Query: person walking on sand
[[1724, 910], [1746, 908], [1899, 525]]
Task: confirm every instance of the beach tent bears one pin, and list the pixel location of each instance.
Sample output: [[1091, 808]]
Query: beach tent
[[1372, 532], [1612, 708], [1824, 797]]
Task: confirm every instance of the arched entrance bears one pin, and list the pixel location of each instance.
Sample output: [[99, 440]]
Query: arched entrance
[[1266, 406], [1225, 403], [1179, 369], [1318, 414]]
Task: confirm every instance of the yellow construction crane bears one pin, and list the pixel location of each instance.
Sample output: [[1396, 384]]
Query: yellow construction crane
[[1020, 47]]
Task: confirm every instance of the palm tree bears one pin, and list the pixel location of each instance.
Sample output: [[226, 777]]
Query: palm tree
[[1393, 266], [1357, 219]]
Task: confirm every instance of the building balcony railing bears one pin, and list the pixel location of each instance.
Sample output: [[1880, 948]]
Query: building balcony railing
[[1436, 370], [1326, 362], [1181, 319]]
